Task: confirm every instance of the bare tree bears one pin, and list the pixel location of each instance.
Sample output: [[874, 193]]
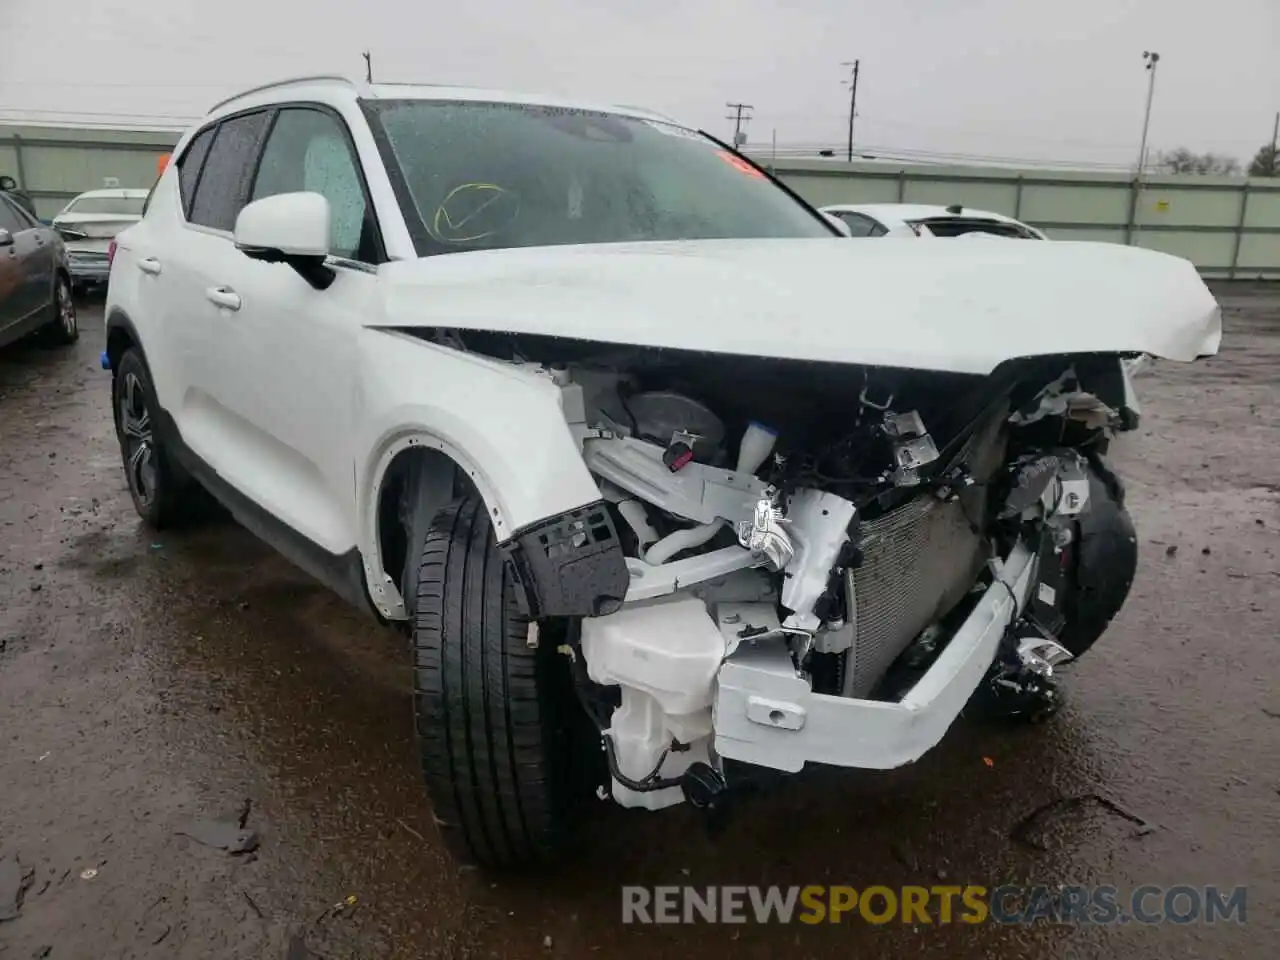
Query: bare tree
[[1265, 162], [1186, 161]]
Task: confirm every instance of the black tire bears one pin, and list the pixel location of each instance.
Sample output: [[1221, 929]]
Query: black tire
[[1105, 562], [158, 487], [491, 713], [62, 328]]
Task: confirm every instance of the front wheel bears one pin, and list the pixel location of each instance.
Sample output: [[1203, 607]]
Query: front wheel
[[491, 711]]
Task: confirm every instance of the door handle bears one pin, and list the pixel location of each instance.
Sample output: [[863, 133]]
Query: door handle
[[223, 297], [149, 265]]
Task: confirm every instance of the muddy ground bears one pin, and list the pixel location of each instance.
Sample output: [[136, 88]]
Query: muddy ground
[[146, 680]]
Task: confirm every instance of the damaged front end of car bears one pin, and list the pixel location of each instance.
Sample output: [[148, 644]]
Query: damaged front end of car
[[823, 562]]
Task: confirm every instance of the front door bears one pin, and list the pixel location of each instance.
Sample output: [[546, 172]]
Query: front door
[[270, 360]]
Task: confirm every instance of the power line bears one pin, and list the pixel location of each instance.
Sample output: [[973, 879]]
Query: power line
[[739, 138]]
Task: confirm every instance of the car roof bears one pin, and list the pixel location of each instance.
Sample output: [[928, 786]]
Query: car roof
[[902, 213], [332, 89]]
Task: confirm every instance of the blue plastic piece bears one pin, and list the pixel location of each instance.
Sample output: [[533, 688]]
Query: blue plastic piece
[[105, 360], [765, 427]]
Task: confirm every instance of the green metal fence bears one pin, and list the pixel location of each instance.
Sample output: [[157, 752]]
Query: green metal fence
[[1227, 227], [54, 164]]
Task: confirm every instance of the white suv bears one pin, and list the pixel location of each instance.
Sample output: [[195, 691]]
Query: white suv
[[659, 472]]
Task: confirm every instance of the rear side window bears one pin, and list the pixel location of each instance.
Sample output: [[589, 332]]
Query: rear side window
[[189, 167], [9, 218], [860, 226], [959, 226], [224, 181]]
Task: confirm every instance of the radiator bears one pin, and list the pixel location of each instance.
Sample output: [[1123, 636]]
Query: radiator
[[918, 562]]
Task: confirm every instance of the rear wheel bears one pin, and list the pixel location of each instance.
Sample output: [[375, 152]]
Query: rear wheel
[[63, 327], [156, 485], [493, 718]]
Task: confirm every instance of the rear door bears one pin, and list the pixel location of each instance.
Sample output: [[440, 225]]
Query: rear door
[[22, 266], [44, 261], [198, 258]]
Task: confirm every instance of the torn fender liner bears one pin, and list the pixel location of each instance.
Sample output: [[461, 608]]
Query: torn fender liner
[[570, 565]]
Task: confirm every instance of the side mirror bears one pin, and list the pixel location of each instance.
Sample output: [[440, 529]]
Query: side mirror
[[7, 182], [6, 238], [839, 224], [290, 228]]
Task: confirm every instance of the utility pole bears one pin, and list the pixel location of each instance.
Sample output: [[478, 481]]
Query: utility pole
[[368, 66], [738, 119], [853, 102], [1275, 141], [1151, 59]]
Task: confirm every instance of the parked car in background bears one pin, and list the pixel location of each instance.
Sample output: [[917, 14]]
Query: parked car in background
[[35, 282], [920, 220], [89, 223]]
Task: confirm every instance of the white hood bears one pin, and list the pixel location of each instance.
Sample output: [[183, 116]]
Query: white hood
[[958, 307]]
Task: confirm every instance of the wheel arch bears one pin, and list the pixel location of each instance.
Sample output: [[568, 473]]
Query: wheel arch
[[413, 477], [121, 335]]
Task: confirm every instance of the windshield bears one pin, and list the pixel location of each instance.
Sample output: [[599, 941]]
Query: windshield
[[492, 175], [123, 206]]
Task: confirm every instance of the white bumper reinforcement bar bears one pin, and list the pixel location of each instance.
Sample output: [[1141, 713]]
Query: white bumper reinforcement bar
[[767, 715]]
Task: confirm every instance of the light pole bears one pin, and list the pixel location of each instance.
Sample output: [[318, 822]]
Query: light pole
[[853, 103], [1152, 58]]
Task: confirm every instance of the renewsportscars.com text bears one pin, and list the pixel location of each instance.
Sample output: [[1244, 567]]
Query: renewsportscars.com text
[[972, 904]]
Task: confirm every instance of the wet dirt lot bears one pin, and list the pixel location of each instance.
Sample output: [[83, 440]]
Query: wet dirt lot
[[146, 680]]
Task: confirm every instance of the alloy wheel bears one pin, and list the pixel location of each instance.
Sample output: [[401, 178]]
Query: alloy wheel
[[139, 439], [66, 309]]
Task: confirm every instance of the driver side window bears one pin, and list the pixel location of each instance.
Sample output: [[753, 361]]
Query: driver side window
[[308, 150]]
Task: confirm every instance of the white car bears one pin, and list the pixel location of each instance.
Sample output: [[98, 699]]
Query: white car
[[920, 220], [89, 223], [656, 470]]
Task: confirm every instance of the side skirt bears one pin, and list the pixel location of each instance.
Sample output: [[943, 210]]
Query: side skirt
[[342, 573]]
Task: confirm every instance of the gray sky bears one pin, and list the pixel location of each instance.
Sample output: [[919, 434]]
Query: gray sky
[[1022, 78]]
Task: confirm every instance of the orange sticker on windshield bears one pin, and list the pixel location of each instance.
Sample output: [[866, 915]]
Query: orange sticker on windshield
[[735, 161]]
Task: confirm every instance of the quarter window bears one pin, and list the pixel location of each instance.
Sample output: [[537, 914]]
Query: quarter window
[[308, 150], [220, 193], [189, 166]]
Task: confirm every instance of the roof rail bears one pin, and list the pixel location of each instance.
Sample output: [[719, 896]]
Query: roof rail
[[283, 83]]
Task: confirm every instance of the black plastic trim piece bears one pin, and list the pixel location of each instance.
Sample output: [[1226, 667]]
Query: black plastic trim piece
[[342, 573], [570, 565]]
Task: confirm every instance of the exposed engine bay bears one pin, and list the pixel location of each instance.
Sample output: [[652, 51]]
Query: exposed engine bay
[[798, 529]]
